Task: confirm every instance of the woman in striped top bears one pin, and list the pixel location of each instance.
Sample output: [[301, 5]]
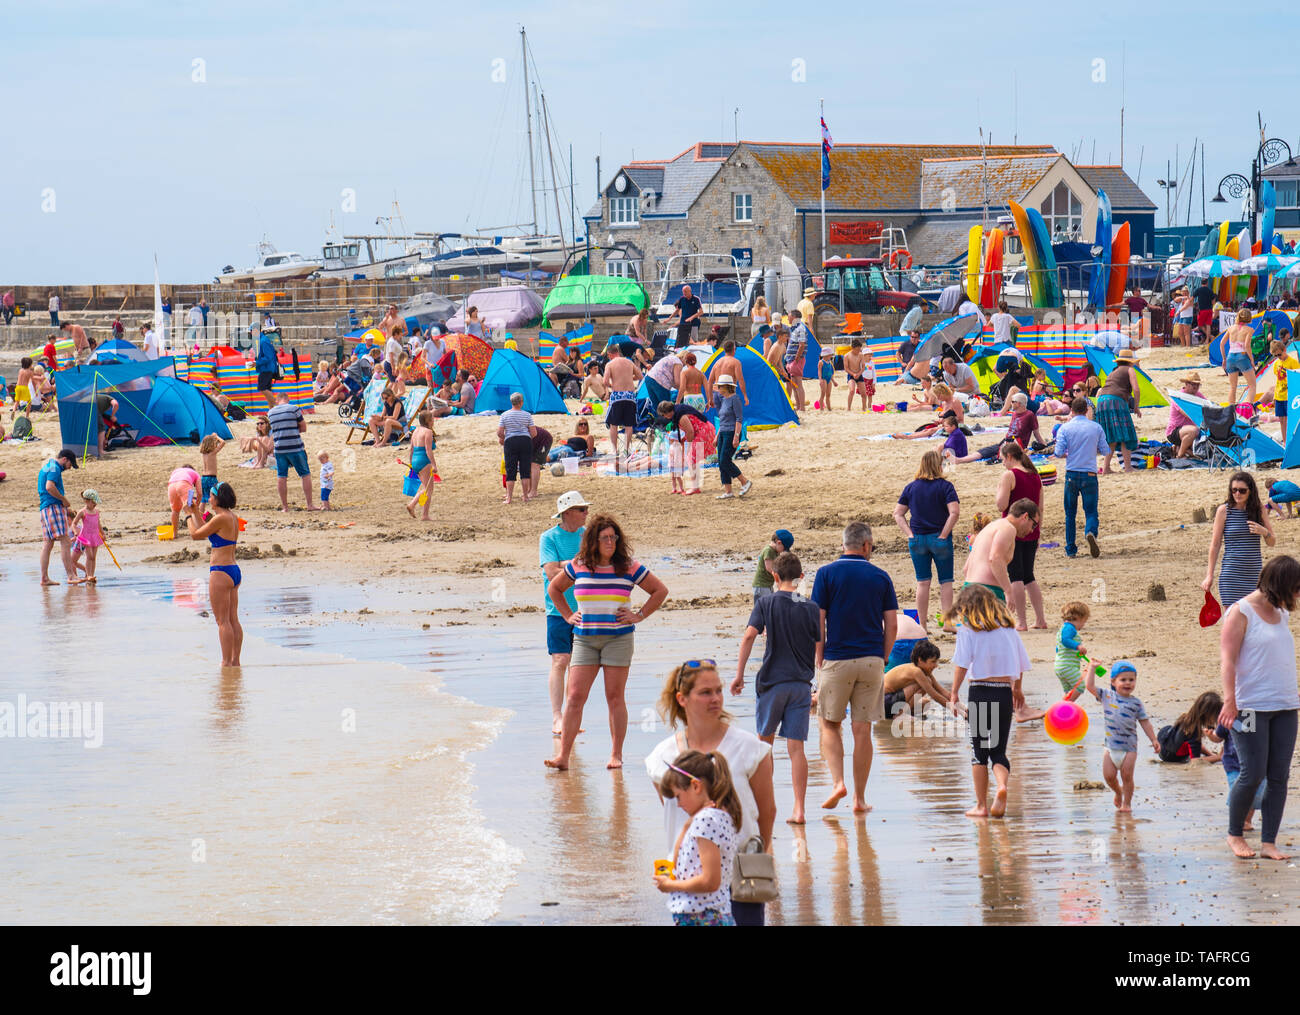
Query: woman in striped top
[[1239, 524], [516, 433], [602, 576]]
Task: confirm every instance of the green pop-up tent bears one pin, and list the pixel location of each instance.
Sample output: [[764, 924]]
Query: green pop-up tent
[[584, 296]]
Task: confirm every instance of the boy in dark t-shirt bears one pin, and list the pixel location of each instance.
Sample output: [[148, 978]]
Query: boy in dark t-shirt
[[784, 684]]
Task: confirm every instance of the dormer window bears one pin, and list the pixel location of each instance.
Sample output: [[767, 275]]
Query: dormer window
[[623, 211]]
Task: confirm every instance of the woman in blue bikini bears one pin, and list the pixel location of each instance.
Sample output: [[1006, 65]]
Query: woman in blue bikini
[[221, 529]]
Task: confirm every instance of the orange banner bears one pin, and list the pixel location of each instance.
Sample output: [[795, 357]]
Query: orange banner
[[854, 232]]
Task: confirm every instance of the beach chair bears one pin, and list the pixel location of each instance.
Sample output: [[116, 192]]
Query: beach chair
[[372, 402], [414, 401]]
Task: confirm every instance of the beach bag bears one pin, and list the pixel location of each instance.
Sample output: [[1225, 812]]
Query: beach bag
[[753, 878], [236, 412], [22, 429], [977, 407]]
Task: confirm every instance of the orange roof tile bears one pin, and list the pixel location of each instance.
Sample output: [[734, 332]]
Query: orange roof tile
[[864, 177]]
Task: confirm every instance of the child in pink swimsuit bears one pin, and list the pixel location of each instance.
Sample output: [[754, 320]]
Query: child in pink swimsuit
[[89, 539], [182, 486]]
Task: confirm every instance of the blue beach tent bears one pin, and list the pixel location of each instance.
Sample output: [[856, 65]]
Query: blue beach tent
[[769, 405], [1102, 362], [151, 403], [511, 371], [117, 350]]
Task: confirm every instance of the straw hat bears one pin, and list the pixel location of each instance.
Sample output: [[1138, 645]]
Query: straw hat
[[1192, 378], [1126, 356], [726, 381], [810, 291]]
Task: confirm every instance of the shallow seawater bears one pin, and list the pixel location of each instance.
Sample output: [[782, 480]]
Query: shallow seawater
[[306, 788], [438, 810]]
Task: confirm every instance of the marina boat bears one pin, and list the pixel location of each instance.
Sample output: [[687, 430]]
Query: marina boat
[[272, 266]]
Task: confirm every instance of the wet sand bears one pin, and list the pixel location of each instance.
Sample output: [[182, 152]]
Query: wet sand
[[581, 843]]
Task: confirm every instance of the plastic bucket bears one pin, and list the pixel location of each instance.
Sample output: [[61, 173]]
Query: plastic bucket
[[902, 406], [570, 466], [165, 532]]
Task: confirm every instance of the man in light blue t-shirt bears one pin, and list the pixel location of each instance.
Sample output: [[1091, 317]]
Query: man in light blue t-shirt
[[556, 547]]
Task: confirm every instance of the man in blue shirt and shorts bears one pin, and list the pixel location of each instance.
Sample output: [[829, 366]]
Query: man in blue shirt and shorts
[[859, 619], [556, 547]]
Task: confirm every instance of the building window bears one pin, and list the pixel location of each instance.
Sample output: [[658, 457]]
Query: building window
[[624, 268], [623, 211], [1063, 214], [1287, 196], [742, 207]]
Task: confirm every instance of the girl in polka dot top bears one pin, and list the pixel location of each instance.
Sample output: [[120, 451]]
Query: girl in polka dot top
[[699, 889]]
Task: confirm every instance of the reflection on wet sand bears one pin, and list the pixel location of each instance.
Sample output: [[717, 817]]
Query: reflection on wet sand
[[588, 836]]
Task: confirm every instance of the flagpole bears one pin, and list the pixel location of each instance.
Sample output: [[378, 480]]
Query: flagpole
[[822, 104]]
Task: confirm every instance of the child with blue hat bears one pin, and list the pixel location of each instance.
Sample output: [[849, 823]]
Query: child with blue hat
[[764, 575], [1123, 712]]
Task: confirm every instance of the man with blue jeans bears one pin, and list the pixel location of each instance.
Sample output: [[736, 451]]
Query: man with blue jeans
[[1079, 442], [556, 547]]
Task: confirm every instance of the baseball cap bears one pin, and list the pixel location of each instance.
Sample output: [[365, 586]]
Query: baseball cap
[[69, 455], [569, 499], [1122, 666], [785, 536]]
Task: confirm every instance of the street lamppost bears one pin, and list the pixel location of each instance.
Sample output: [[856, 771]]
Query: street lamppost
[[1269, 154]]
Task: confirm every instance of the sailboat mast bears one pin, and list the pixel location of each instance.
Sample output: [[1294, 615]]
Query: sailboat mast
[[528, 117], [555, 186]]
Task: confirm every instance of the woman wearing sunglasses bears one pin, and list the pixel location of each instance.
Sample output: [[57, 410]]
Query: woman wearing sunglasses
[[602, 576], [1239, 524], [692, 698]]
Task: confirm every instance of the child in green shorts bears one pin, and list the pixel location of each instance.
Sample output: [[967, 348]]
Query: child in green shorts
[[1070, 650]]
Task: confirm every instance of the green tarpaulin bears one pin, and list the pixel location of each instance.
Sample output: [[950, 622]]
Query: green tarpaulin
[[593, 295]]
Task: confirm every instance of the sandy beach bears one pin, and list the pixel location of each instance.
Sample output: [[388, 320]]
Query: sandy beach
[[461, 596]]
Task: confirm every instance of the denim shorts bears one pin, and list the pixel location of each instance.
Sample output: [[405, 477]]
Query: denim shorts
[[1239, 363], [1258, 802], [559, 635], [924, 549], [298, 459], [784, 709]]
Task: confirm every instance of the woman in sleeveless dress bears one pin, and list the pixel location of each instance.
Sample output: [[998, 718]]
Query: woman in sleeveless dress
[[1239, 524]]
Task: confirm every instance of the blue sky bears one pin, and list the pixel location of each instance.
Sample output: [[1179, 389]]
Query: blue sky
[[301, 101]]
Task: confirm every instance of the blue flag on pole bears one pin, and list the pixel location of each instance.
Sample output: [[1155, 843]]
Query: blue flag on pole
[[827, 145]]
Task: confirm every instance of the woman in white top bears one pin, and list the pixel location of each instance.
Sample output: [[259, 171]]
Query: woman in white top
[[761, 315], [990, 653], [1260, 701], [692, 696], [1237, 359]]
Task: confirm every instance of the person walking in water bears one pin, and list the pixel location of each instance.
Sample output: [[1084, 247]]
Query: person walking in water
[[859, 620]]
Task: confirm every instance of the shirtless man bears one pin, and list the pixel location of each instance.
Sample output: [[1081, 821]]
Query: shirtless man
[[560, 370], [80, 343], [621, 379], [390, 319], [914, 681], [727, 363], [775, 354], [994, 545], [854, 361]]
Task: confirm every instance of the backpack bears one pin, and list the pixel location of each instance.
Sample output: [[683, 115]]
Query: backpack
[[236, 412], [22, 429], [1174, 744]]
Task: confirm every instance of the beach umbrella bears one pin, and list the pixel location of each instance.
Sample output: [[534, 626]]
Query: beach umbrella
[[949, 332], [1214, 266], [1268, 264]]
